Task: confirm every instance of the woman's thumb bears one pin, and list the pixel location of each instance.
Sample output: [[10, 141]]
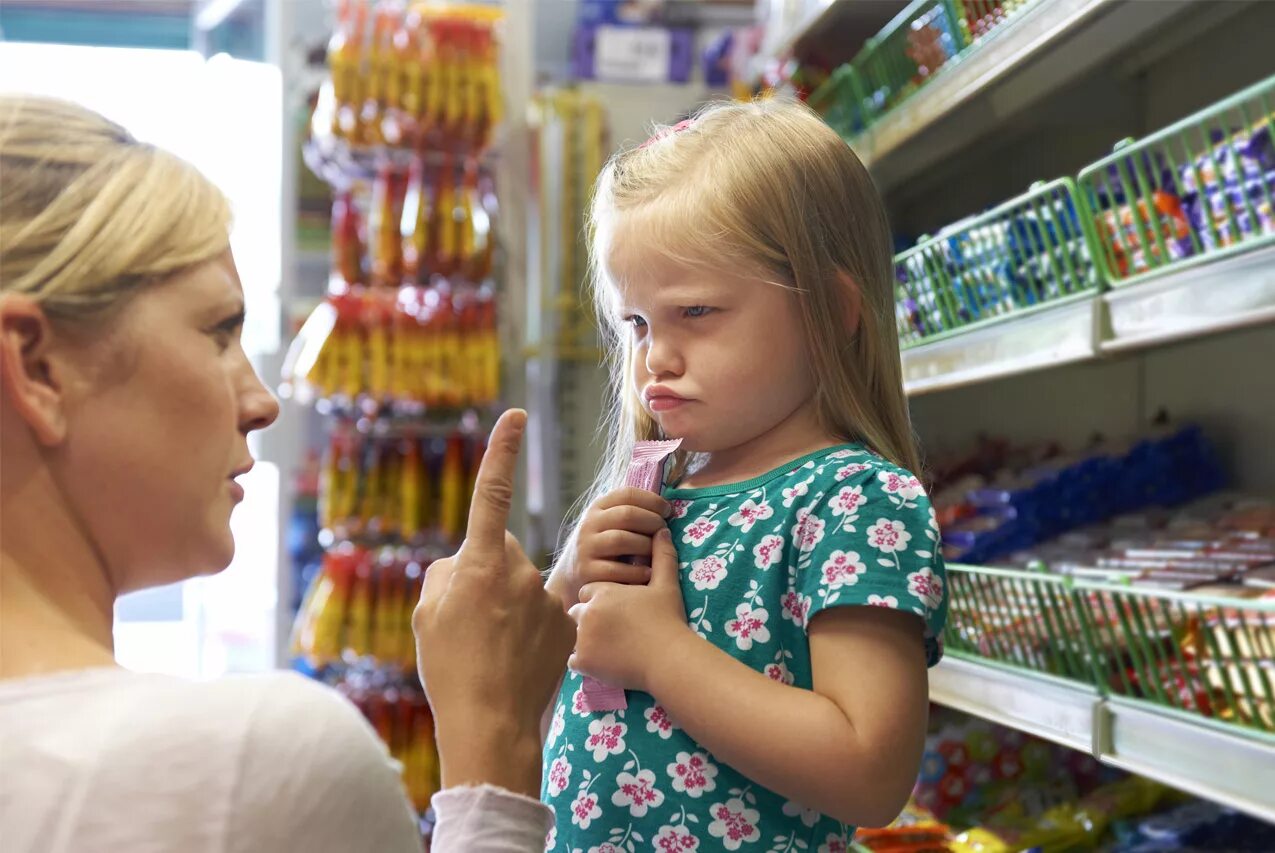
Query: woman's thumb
[[664, 559]]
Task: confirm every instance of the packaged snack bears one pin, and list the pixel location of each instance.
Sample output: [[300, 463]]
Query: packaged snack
[[646, 471]]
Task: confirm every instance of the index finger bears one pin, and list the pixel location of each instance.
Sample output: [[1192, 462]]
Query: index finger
[[494, 485]]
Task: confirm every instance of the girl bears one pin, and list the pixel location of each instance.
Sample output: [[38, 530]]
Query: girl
[[743, 263]]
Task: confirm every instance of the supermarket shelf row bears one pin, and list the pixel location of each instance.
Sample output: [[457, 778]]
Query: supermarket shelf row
[[1195, 755]]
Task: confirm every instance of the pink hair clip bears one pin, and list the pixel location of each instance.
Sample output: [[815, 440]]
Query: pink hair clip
[[668, 131]]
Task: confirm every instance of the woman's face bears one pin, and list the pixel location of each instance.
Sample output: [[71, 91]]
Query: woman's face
[[157, 431]]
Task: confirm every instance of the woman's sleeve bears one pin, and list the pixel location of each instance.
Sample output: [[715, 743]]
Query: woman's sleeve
[[488, 819], [871, 539]]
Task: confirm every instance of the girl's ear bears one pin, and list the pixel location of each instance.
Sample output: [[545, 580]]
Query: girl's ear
[[851, 299]]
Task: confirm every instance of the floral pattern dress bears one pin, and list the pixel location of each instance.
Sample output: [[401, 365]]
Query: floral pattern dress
[[838, 527]]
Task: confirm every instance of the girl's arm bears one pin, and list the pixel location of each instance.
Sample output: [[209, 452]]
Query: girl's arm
[[849, 748]]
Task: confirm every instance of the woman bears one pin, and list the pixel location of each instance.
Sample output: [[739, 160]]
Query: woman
[[126, 402]]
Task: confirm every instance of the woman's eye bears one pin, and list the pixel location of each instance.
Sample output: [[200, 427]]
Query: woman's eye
[[227, 332], [696, 311]]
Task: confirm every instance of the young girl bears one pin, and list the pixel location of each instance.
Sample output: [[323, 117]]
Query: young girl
[[776, 665]]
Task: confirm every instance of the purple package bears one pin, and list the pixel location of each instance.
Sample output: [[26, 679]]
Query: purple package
[[646, 471]]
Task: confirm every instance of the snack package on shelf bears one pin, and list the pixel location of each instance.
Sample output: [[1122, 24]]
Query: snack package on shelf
[[1228, 190]]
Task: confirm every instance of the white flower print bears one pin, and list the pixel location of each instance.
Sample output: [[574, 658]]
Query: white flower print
[[606, 847], [708, 572], [844, 453], [768, 552], [559, 775], [842, 568], [559, 723], [889, 536], [834, 844], [698, 531], [606, 737], [749, 513], [848, 501], [674, 839], [808, 816], [693, 774], [883, 601], [797, 490], [680, 508], [585, 809], [578, 704], [847, 471], [657, 722], [734, 823], [779, 672], [901, 489], [796, 608], [748, 626], [808, 531], [637, 792], [926, 586], [551, 838]]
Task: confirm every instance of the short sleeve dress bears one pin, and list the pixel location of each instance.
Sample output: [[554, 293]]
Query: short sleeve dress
[[840, 527]]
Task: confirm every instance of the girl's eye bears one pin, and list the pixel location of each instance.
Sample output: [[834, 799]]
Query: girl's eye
[[696, 311], [635, 321]]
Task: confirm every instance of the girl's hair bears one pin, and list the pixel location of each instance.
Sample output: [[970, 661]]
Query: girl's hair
[[764, 187], [89, 215]]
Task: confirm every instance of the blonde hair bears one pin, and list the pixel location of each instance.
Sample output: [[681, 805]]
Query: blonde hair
[[88, 215], [768, 187]]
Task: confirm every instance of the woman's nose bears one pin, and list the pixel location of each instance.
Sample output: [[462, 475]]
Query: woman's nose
[[258, 407]]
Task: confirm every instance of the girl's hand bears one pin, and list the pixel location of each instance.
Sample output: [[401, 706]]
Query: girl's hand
[[618, 525], [619, 627]]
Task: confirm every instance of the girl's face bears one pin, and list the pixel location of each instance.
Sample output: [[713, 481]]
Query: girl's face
[[719, 358], [157, 430]]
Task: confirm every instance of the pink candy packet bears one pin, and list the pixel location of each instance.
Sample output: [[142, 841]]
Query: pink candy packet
[[646, 471]]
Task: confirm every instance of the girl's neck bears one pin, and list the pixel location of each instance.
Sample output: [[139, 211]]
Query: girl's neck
[[56, 600], [793, 437]]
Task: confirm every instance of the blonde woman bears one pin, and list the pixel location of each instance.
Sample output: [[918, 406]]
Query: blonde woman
[[126, 402], [743, 265]]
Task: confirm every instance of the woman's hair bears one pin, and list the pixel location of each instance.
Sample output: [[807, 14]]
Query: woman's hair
[[88, 215], [767, 188]]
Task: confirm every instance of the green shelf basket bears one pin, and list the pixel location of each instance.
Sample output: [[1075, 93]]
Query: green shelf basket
[[1030, 252], [843, 102], [1195, 191], [908, 51]]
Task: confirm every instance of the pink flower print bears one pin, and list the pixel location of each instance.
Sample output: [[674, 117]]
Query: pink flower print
[[748, 626], [551, 838], [585, 810], [749, 513], [847, 471], [779, 672], [559, 723], [844, 453], [693, 774], [926, 586], [768, 552], [708, 572], [680, 508], [884, 601], [606, 737], [808, 816], [797, 490], [842, 568], [700, 529], [903, 486], [675, 839], [657, 721], [889, 536], [559, 776], [796, 608], [734, 823], [848, 501], [808, 531], [637, 792], [578, 705], [606, 847], [834, 844]]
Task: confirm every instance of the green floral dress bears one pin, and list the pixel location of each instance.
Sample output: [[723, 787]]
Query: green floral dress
[[838, 527]]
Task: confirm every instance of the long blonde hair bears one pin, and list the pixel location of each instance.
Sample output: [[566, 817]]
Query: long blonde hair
[[88, 215], [764, 186]]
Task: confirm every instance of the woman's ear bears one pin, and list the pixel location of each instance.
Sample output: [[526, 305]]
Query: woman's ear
[[29, 377], [852, 299]]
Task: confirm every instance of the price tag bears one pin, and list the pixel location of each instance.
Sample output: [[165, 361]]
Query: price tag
[[632, 54]]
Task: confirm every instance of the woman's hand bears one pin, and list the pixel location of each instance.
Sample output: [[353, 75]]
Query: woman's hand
[[491, 643], [620, 628], [617, 525]]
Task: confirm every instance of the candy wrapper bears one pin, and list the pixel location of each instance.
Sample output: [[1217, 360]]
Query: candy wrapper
[[646, 471]]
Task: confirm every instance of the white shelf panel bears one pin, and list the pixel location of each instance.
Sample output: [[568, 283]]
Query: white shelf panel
[[1047, 338]]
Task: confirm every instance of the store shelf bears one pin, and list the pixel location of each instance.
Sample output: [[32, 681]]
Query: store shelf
[[1054, 710], [1056, 335], [1044, 47], [781, 43], [1193, 755]]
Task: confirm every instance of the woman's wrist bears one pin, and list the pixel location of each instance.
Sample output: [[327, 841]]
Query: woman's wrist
[[490, 749]]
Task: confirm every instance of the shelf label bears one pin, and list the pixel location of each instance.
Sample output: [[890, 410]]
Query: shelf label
[[632, 54]]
